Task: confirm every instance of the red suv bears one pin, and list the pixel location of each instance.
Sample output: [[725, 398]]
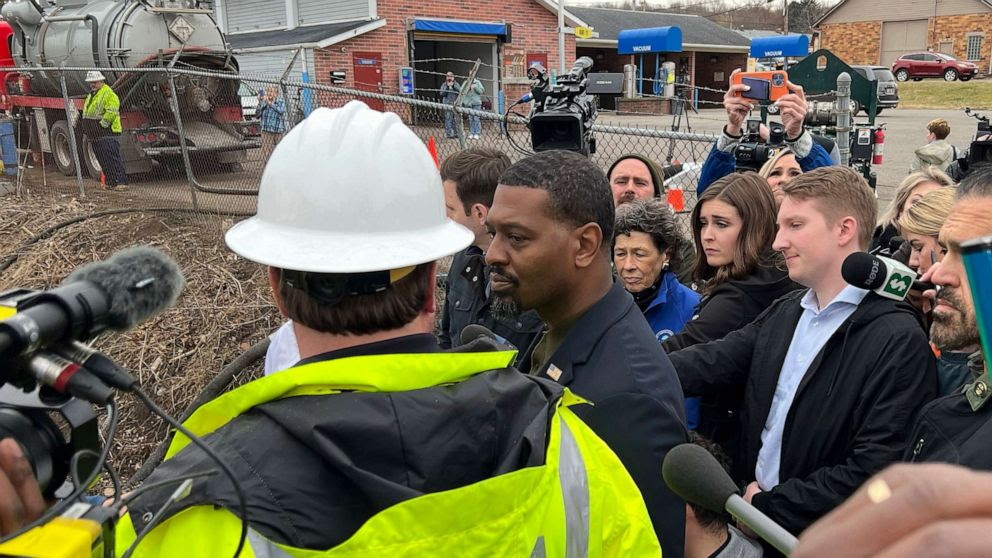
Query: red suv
[[919, 65]]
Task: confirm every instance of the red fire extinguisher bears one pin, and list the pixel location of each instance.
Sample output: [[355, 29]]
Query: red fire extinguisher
[[878, 149]]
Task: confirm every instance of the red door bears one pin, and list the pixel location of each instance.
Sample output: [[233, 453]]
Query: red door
[[368, 77]]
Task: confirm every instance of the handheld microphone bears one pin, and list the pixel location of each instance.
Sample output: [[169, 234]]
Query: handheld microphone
[[473, 332], [885, 276], [696, 476], [119, 293]]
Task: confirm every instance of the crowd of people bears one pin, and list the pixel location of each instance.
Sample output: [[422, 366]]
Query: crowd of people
[[581, 338]]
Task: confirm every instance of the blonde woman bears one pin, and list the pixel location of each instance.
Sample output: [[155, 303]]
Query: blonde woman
[[779, 170], [912, 188], [920, 225]]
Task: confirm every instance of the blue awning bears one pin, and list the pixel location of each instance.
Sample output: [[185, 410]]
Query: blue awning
[[463, 27], [650, 39], [779, 46]]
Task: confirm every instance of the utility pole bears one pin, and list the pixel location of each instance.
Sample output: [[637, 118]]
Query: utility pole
[[786, 3]]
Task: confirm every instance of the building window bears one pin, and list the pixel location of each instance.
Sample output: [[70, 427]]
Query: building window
[[974, 47]]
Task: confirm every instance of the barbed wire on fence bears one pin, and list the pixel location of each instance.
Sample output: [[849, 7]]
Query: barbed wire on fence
[[461, 60]]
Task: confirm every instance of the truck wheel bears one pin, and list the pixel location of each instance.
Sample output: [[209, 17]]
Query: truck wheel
[[62, 148], [902, 75], [89, 160]]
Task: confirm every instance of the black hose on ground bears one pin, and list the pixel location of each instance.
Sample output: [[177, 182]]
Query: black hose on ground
[[211, 391], [10, 259]]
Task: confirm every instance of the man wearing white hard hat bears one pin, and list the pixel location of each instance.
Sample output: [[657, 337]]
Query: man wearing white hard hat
[[376, 443], [102, 124]]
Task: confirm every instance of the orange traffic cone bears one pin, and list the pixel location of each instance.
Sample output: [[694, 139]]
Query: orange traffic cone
[[676, 199], [432, 148]]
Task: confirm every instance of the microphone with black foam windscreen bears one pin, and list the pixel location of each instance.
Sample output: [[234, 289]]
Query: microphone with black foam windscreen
[[696, 476], [884, 276], [118, 293]]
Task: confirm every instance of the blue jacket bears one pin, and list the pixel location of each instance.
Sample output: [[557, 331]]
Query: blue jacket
[[667, 315], [721, 163]]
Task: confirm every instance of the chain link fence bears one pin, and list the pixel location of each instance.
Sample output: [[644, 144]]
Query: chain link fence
[[198, 140]]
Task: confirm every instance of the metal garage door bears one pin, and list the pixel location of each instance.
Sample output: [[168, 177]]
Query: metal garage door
[[900, 37]]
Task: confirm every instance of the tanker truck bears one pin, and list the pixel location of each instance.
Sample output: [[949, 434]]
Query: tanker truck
[[114, 35]]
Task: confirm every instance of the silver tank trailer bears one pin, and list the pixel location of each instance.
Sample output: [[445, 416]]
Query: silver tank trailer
[[111, 34], [106, 34]]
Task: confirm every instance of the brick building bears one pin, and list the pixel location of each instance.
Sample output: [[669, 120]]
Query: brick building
[[880, 31], [364, 43]]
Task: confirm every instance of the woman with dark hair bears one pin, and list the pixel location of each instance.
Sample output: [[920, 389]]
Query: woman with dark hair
[[733, 226], [646, 248]]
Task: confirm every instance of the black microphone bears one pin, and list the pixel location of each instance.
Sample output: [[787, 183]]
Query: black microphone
[[885, 276], [696, 476], [474, 332], [119, 293], [923, 286]]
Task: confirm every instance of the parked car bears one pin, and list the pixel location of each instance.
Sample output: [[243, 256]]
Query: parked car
[[919, 65], [249, 100], [888, 89]]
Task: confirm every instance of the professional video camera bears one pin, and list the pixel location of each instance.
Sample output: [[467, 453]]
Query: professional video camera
[[751, 153], [563, 113], [50, 382], [979, 152], [26, 415]]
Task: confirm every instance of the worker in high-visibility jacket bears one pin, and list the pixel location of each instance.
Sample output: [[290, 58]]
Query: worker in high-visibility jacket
[[376, 443], [102, 124]]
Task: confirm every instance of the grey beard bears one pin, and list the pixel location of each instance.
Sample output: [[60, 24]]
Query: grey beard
[[504, 309], [952, 335]]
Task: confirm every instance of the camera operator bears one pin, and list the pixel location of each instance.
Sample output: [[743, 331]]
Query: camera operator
[[978, 153], [807, 153]]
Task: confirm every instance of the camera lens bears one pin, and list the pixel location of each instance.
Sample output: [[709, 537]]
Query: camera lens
[[38, 438]]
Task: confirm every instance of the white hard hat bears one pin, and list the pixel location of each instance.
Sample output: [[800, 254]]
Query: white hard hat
[[95, 75], [349, 190]]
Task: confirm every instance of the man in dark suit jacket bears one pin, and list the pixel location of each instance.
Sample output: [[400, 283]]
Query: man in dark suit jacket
[[552, 225]]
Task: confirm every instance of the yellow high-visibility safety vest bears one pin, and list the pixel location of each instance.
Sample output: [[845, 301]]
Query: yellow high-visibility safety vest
[[580, 503], [105, 107]]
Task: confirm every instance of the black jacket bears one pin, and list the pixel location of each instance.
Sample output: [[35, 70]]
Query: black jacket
[[731, 306], [881, 237], [957, 428], [612, 358], [467, 302], [315, 468], [851, 413]]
